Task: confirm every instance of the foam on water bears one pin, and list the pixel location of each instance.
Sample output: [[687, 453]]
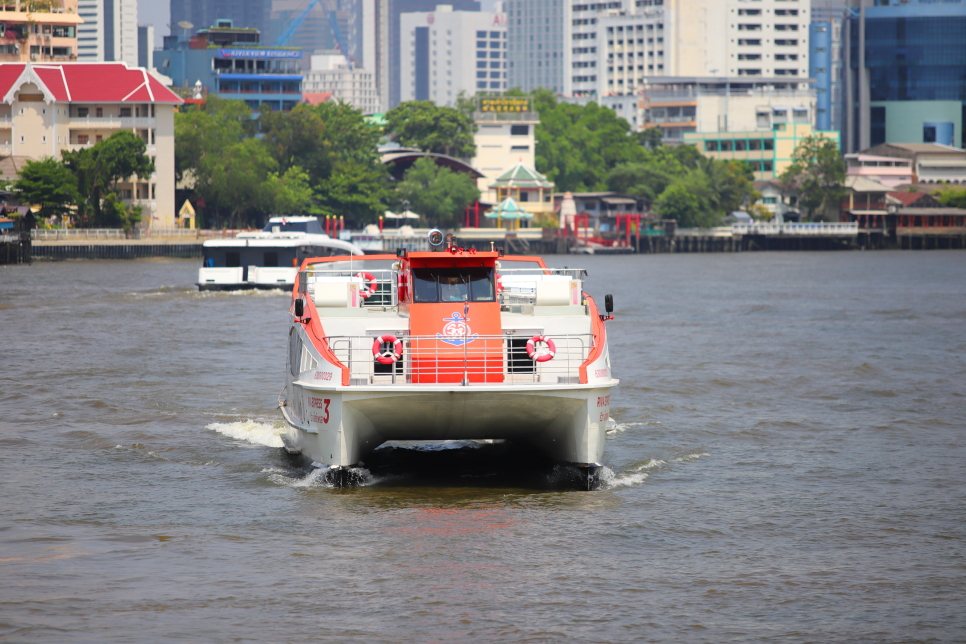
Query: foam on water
[[319, 478], [610, 479], [637, 474], [613, 427], [689, 457], [267, 434]]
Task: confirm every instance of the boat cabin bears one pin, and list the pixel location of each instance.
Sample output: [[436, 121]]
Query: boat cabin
[[449, 316]]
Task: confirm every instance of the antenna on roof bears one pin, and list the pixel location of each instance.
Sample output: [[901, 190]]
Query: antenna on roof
[[184, 24]]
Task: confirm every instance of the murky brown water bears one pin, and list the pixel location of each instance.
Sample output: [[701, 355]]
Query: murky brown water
[[789, 466]]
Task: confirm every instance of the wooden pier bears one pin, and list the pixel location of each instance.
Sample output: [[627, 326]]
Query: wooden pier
[[54, 252], [15, 248]]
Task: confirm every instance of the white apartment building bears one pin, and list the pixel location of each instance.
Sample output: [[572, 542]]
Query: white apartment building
[[49, 107], [609, 48], [446, 52], [332, 73], [109, 31]]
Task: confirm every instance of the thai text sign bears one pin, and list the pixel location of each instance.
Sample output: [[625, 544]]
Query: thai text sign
[[505, 104]]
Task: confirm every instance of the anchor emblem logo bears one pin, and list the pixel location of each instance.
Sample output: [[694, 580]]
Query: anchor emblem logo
[[457, 330]]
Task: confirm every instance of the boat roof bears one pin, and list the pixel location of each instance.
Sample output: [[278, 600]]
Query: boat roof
[[291, 220], [282, 240]]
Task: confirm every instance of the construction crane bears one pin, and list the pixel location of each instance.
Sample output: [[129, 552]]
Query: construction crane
[[287, 34]]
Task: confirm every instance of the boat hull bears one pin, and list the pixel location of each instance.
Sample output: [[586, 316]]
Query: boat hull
[[338, 427]]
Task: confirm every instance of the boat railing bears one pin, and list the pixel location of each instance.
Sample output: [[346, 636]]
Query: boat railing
[[519, 285], [455, 359], [384, 294], [572, 273]]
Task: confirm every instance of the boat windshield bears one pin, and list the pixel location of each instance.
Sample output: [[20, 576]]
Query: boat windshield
[[310, 226], [453, 285]]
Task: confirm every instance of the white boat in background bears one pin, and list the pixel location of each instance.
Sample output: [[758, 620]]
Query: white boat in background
[[447, 345], [269, 258]]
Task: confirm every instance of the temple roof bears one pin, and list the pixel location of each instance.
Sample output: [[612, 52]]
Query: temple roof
[[520, 176]]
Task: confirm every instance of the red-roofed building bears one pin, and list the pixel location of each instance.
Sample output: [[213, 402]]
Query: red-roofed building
[[48, 108], [316, 98]]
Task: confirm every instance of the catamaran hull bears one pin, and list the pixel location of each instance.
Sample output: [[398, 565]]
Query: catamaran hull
[[338, 427]]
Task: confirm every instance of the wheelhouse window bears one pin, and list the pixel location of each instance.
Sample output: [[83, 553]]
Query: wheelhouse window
[[453, 285]]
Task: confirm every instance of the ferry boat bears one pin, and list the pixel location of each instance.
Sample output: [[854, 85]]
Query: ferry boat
[[447, 344], [267, 259]]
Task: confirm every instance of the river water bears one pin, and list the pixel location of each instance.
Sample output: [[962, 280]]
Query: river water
[[787, 465]]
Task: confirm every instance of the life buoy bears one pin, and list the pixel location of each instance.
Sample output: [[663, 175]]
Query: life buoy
[[373, 285], [532, 348], [387, 357], [499, 283]]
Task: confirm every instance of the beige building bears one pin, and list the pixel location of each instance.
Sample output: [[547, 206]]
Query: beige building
[[768, 152], [504, 138], [333, 74], [48, 108], [708, 104], [38, 34]]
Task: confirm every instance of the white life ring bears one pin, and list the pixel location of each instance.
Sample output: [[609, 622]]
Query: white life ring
[[387, 357], [373, 285], [532, 348]]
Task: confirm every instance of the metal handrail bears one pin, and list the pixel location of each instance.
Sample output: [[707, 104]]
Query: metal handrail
[[387, 283], [462, 360]]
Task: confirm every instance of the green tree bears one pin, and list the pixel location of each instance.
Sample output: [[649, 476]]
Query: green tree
[[952, 197], [648, 177], [291, 193], [437, 193], [423, 125], [235, 183], [298, 138], [201, 133], [337, 148], [577, 145], [691, 201], [731, 181], [48, 184], [98, 170], [817, 174], [651, 138], [117, 214], [357, 191]]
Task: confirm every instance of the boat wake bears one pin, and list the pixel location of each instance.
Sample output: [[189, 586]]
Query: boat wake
[[637, 473], [250, 431], [324, 478]]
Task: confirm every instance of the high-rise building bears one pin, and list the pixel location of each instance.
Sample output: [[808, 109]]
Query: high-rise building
[[323, 28], [204, 13], [905, 78], [395, 9], [825, 49], [40, 35], [332, 73], [611, 48], [231, 62], [445, 52], [540, 44], [373, 42], [145, 45], [109, 31]]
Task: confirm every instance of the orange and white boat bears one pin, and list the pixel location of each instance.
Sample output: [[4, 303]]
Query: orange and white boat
[[451, 344]]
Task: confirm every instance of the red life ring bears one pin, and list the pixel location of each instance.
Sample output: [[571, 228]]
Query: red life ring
[[387, 357], [532, 348], [499, 283], [373, 285]]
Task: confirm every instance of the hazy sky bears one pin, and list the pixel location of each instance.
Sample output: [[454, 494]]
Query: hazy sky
[[158, 12]]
